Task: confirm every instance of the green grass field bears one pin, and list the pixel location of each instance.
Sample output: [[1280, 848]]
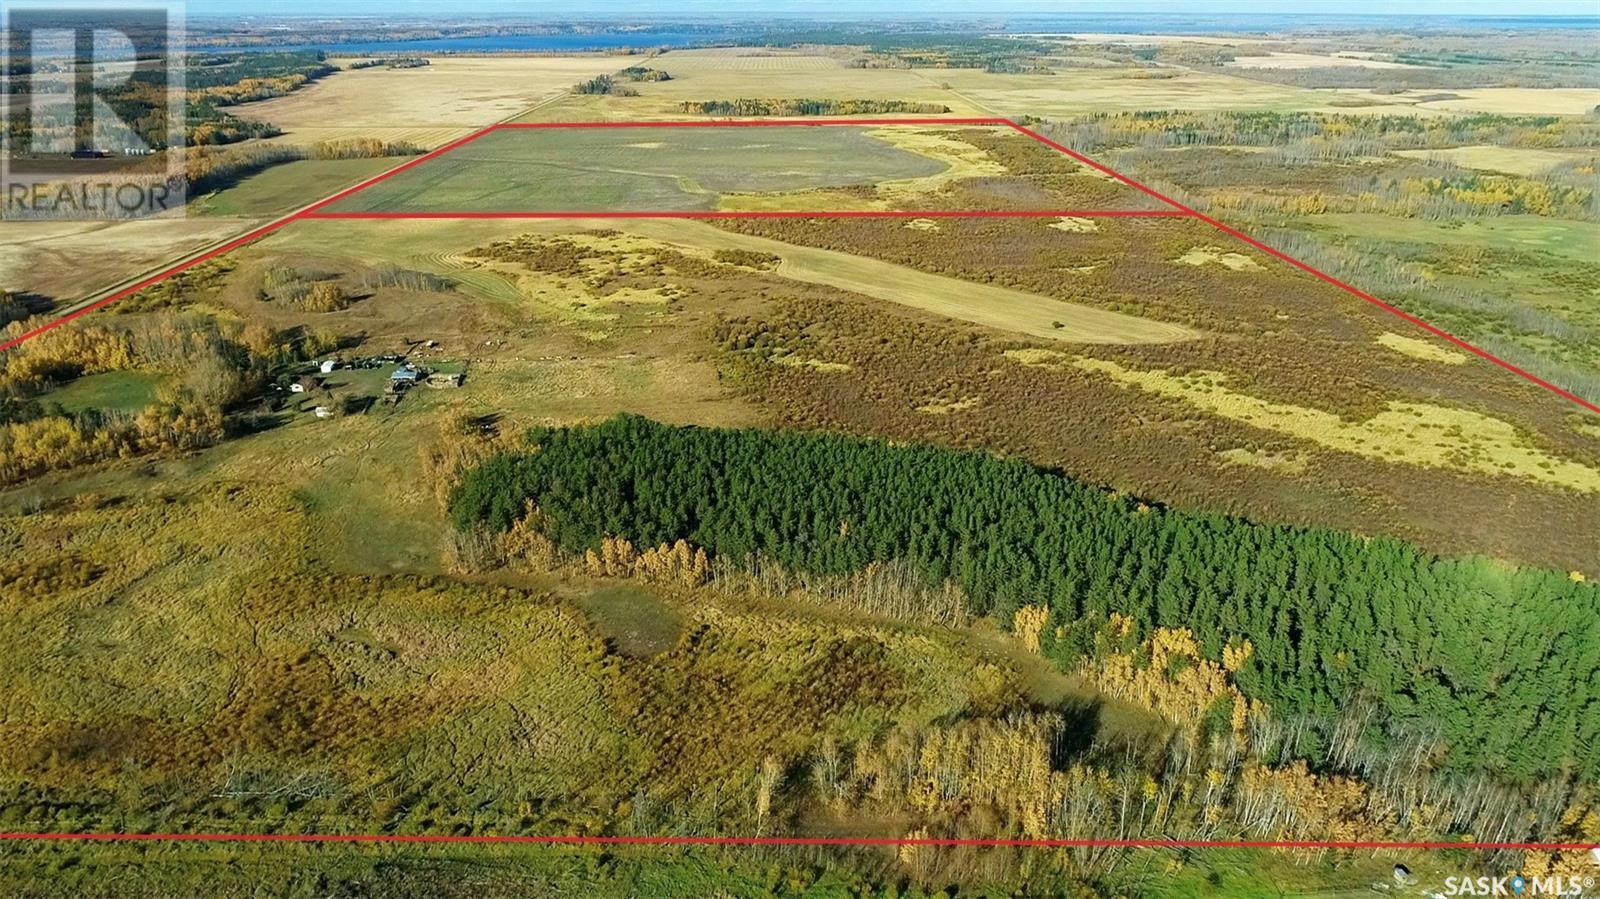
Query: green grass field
[[122, 391], [637, 620], [285, 188], [638, 169]]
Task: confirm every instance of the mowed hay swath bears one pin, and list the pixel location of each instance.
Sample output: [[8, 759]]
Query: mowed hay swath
[[1004, 309]]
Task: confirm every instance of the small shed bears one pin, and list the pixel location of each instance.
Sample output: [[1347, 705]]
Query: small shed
[[322, 412], [329, 366], [405, 375]]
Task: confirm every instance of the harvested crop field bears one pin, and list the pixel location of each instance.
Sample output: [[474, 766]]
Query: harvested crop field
[[428, 106], [67, 261], [1510, 160], [663, 169], [1280, 60], [1519, 100], [732, 72], [637, 169]]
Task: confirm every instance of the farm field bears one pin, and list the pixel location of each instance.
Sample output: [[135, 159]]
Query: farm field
[[582, 169], [699, 75], [1515, 161], [1282, 60], [284, 188], [68, 261], [732, 72], [724, 73], [428, 106], [826, 168], [1519, 101], [1074, 92]]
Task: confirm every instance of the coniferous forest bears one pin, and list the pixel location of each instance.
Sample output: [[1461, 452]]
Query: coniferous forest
[[1501, 663]]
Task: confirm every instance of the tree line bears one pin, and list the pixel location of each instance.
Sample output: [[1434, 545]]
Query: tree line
[[1340, 136], [212, 82], [809, 107], [1500, 662], [214, 168]]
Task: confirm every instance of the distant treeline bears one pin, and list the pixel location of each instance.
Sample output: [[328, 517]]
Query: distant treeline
[[1314, 135], [214, 168], [1501, 665], [212, 82], [219, 81], [392, 62], [938, 50], [1444, 70], [804, 107]]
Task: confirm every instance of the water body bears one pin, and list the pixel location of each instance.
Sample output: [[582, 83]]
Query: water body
[[734, 31], [1202, 23], [507, 43]]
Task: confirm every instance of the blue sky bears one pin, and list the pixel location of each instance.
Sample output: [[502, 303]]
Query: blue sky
[[862, 9]]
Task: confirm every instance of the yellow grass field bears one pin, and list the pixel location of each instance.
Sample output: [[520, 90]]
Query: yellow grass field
[[1083, 91], [728, 73], [1237, 262], [428, 106], [1427, 351], [1408, 433], [1280, 60], [1510, 160], [1520, 100]]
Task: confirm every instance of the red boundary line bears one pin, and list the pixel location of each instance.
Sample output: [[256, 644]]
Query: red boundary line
[[785, 841], [754, 214], [755, 123], [1176, 209]]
